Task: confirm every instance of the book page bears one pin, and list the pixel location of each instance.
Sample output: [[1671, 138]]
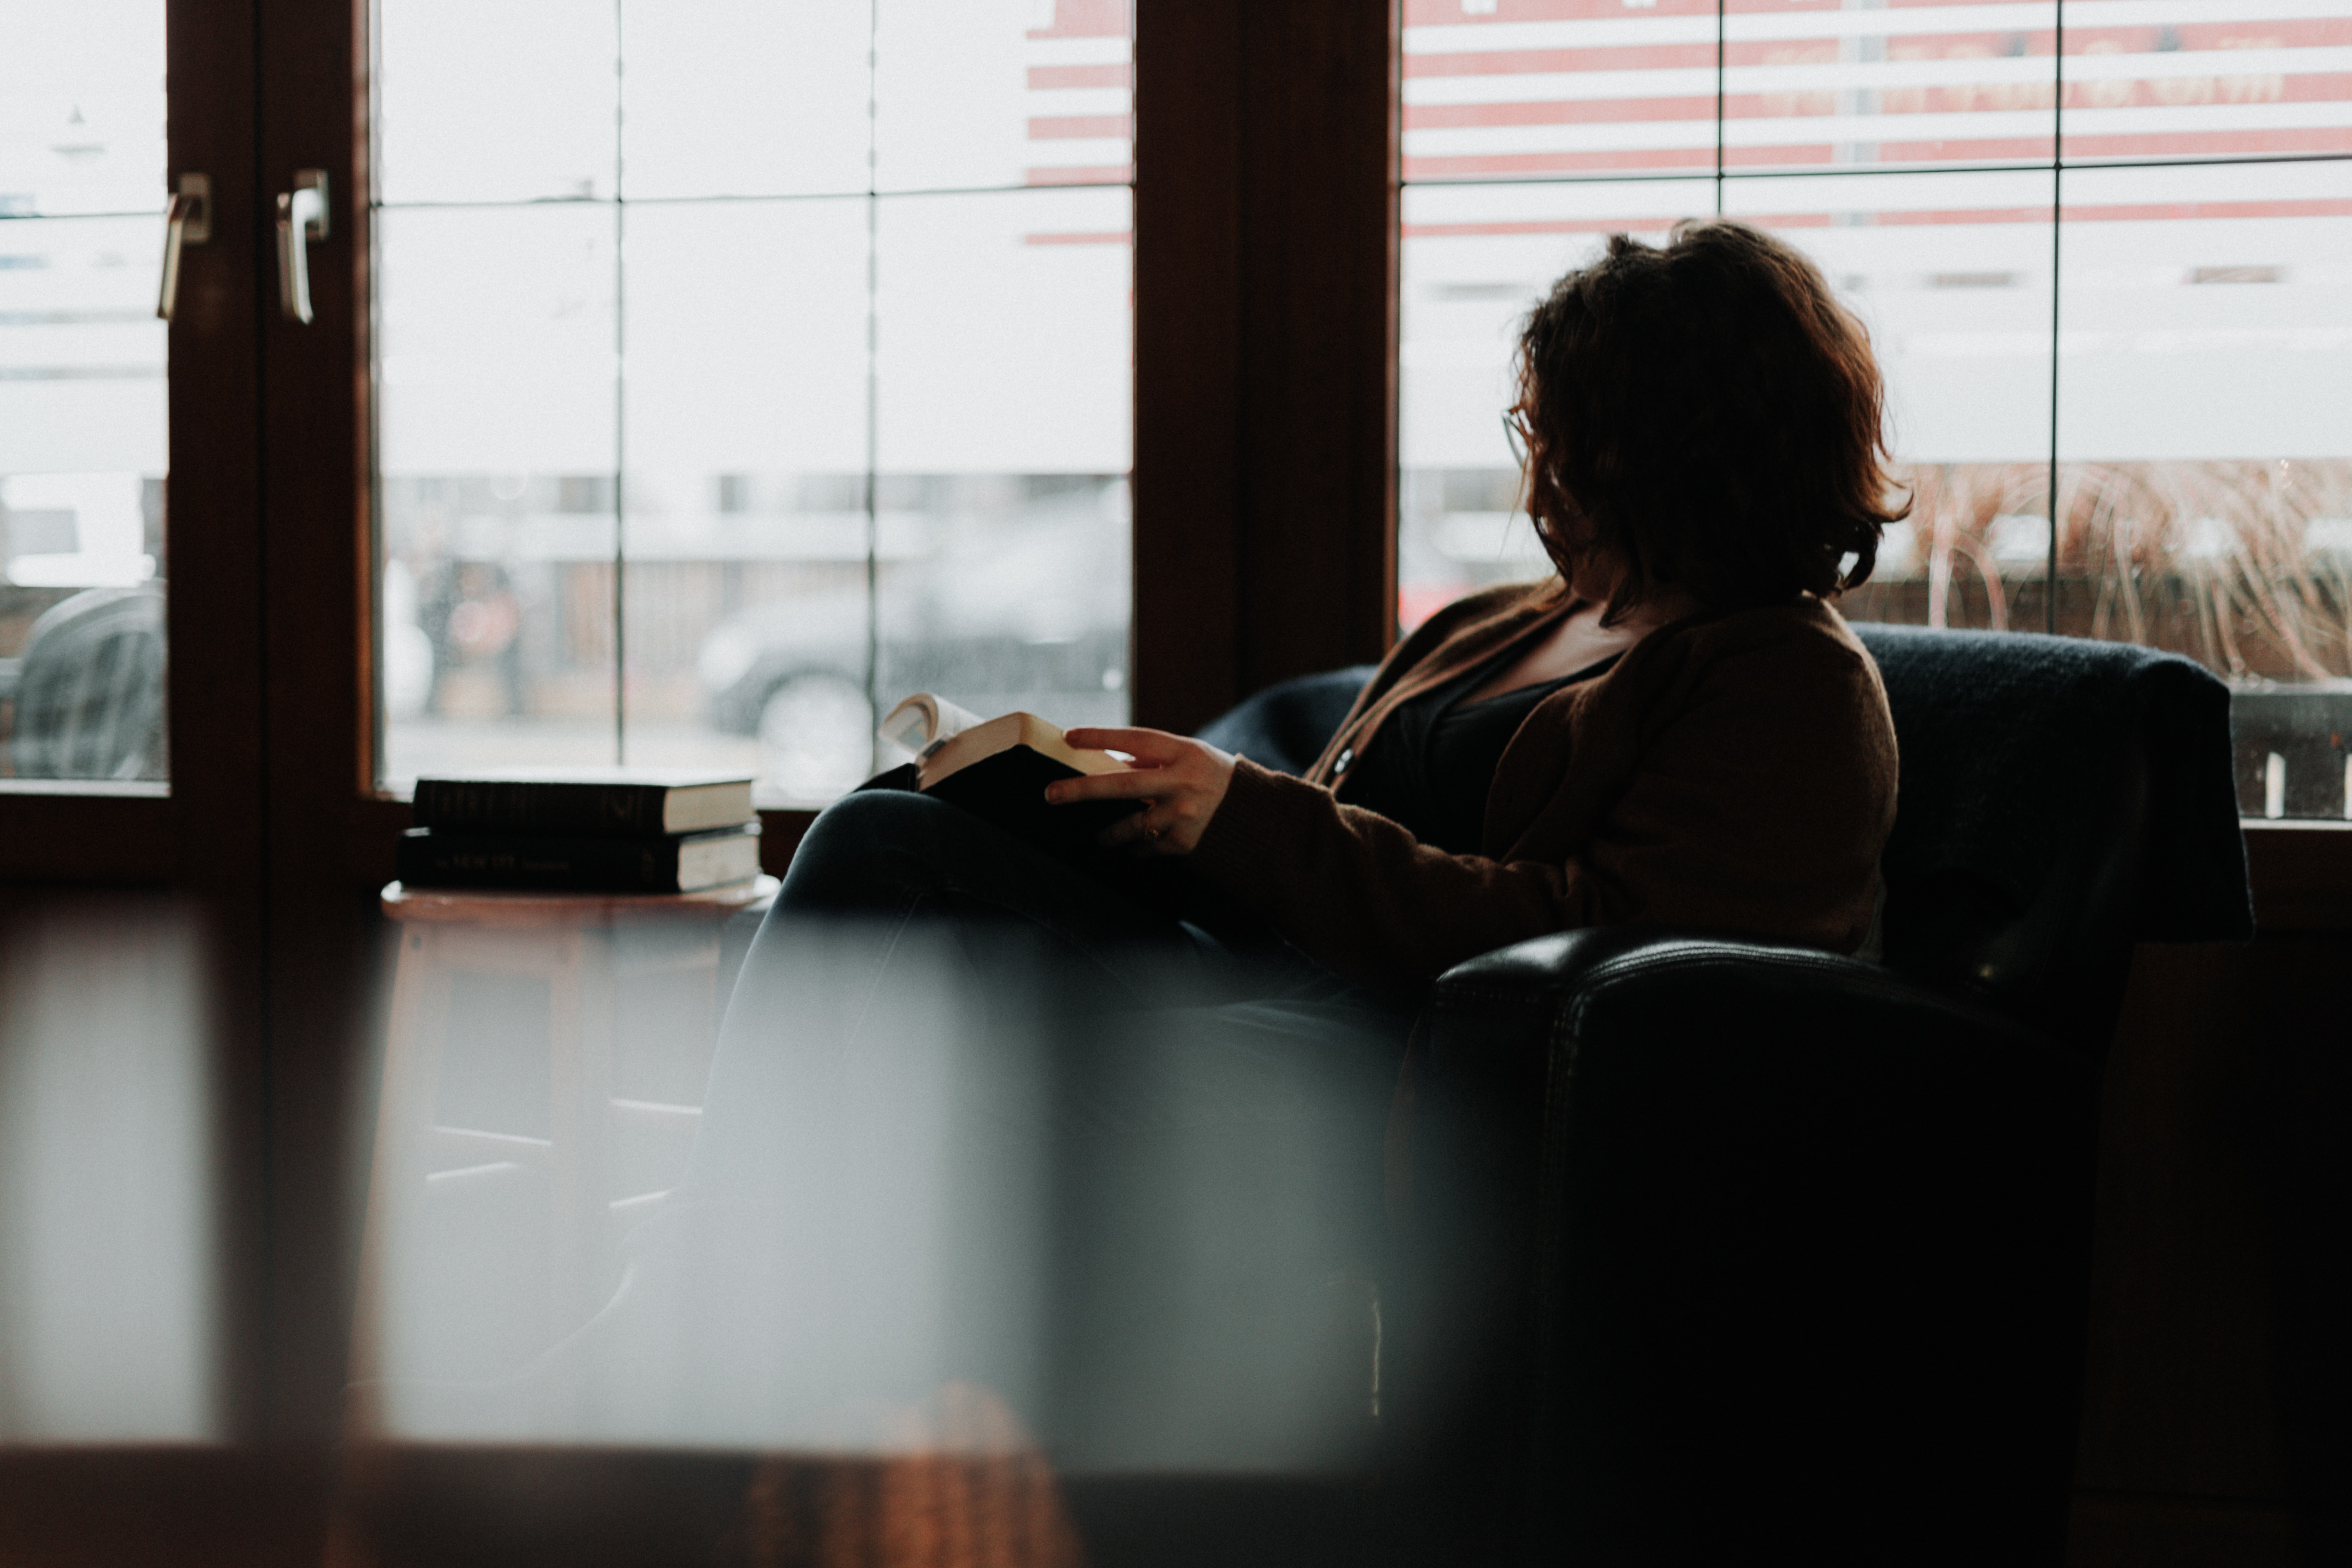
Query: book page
[[924, 722], [1001, 733]]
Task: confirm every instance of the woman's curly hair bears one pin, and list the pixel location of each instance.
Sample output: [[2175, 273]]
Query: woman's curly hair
[[1708, 413]]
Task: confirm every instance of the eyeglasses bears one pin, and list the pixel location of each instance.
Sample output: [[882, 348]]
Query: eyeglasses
[[1515, 431]]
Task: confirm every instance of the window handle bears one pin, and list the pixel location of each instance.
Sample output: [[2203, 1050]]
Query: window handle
[[187, 221], [301, 219]]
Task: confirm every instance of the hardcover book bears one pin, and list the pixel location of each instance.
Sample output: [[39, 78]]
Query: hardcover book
[[667, 863], [998, 768], [585, 802]]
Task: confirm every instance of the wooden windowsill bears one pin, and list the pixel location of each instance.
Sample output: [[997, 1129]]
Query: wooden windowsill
[[88, 789], [115, 834], [2301, 871], [128, 834], [2302, 875]]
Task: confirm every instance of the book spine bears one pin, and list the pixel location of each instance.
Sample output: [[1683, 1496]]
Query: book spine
[[616, 865], [512, 805]]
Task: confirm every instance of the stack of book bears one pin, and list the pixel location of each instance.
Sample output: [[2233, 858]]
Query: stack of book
[[595, 830]]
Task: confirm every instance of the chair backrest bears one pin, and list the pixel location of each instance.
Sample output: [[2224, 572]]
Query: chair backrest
[[1284, 726], [89, 688], [2059, 800]]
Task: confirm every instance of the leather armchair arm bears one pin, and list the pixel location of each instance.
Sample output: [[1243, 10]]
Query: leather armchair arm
[[1707, 1244]]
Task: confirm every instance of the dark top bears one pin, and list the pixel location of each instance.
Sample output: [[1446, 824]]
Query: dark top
[[1430, 766]]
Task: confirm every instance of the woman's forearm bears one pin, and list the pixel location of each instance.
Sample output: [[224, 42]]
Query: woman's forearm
[[1361, 896]]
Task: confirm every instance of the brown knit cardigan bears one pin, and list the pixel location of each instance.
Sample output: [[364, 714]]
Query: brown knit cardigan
[[1731, 774]]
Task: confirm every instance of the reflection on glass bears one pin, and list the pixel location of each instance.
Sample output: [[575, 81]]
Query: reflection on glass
[[974, 94], [81, 498], [746, 528], [2214, 77], [2206, 463], [1493, 89], [1971, 82], [497, 459], [511, 101], [744, 98], [1004, 379], [1474, 258], [1950, 272], [108, 1286]]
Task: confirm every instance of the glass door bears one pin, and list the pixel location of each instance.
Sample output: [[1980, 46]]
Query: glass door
[[133, 908]]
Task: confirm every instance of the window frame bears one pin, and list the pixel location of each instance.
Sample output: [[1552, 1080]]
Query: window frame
[[199, 827]]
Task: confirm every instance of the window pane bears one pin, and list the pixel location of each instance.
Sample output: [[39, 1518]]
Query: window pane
[[1006, 390], [741, 458], [2211, 78], [746, 97], [510, 102], [1971, 82], [747, 527], [81, 108], [496, 374], [82, 434], [1594, 86], [1951, 273], [2206, 461], [1474, 258], [987, 93]]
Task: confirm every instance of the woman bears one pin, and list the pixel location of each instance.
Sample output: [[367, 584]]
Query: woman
[[1676, 731]]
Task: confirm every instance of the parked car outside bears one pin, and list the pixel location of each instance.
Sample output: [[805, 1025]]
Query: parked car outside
[[1022, 611]]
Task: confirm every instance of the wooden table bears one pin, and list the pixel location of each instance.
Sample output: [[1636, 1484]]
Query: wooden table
[[542, 1081]]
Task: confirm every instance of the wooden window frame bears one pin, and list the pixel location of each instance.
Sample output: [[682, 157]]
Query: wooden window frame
[[1264, 469]]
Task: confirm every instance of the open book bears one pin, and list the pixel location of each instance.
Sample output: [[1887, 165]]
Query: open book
[[947, 739], [998, 768]]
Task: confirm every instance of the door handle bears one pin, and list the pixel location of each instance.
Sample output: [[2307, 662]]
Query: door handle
[[187, 221], [301, 218]]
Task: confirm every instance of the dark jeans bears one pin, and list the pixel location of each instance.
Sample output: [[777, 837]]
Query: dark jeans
[[1154, 1152], [896, 856]]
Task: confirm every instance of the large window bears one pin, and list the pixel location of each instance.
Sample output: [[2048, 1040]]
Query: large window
[[2103, 247], [742, 364]]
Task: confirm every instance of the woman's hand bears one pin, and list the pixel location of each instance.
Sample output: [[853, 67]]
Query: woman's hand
[[1179, 780]]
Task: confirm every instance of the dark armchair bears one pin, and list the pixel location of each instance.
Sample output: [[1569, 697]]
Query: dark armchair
[[1716, 1252]]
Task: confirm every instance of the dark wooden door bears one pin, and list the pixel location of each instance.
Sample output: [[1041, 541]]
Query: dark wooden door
[[251, 863], [140, 903]]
